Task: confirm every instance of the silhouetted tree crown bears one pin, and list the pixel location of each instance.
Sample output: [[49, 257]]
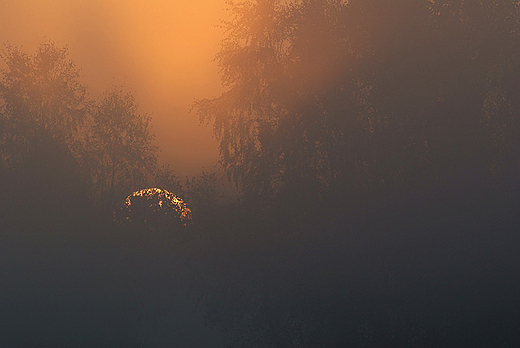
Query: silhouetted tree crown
[[42, 97], [52, 136], [331, 94], [120, 151]]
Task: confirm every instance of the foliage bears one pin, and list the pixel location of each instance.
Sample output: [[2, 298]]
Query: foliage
[[373, 141], [43, 107], [208, 191], [154, 207], [120, 152], [321, 93], [166, 178], [41, 97]]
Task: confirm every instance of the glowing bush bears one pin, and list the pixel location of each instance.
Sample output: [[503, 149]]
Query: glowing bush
[[155, 207]]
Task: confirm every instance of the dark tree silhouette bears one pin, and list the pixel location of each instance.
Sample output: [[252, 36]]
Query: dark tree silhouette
[[43, 107], [369, 138], [120, 152], [321, 93], [42, 97]]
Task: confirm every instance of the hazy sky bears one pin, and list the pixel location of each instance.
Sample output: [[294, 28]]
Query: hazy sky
[[162, 50]]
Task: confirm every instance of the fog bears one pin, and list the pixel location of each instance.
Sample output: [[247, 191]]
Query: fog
[[367, 193], [162, 51]]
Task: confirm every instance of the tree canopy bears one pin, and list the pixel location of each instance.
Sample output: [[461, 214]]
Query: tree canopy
[[120, 150], [51, 132], [323, 93], [375, 144], [42, 97]]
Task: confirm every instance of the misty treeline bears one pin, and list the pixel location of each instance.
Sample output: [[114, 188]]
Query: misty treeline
[[374, 148], [55, 137], [377, 147], [70, 275], [368, 94]]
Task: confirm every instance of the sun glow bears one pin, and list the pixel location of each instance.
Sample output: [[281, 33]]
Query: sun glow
[[162, 51]]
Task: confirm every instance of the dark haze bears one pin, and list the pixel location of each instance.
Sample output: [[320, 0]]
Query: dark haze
[[367, 192]]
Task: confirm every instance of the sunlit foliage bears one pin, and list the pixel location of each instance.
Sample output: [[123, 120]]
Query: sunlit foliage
[[155, 207]]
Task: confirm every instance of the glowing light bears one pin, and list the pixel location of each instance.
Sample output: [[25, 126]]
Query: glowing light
[[154, 206]]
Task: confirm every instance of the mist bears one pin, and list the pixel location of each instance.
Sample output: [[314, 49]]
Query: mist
[[260, 173], [162, 51]]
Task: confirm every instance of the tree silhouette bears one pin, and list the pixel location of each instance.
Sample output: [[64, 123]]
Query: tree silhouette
[[363, 133], [57, 137], [120, 152], [324, 93], [42, 97], [43, 107]]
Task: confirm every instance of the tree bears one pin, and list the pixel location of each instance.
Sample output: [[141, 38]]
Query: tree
[[249, 62], [43, 107], [329, 94], [42, 97], [120, 150], [343, 110], [166, 178], [294, 115], [154, 207]]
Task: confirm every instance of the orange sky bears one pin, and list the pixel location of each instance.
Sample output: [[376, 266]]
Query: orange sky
[[162, 50]]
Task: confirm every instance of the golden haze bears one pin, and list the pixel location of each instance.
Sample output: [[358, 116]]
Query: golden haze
[[162, 51]]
